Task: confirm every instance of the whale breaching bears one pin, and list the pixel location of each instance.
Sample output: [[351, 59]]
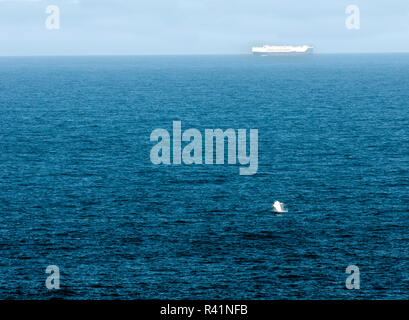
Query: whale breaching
[[279, 207]]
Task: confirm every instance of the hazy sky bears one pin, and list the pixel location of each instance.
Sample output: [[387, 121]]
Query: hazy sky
[[199, 26]]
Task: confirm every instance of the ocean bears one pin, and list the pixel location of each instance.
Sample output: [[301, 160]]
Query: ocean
[[78, 189]]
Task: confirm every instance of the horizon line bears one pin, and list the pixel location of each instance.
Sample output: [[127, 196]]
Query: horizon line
[[182, 54]]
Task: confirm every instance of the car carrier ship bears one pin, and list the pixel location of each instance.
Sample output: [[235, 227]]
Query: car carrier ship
[[282, 50]]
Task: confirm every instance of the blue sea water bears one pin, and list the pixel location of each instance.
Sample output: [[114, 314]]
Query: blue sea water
[[78, 189]]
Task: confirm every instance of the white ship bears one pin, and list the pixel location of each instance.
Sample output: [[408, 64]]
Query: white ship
[[281, 50]]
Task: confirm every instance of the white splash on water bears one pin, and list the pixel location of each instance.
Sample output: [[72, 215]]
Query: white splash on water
[[279, 207]]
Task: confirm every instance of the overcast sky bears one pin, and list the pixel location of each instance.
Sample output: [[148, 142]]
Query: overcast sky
[[199, 26]]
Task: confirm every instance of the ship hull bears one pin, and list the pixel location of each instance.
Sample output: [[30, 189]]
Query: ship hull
[[294, 53]]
